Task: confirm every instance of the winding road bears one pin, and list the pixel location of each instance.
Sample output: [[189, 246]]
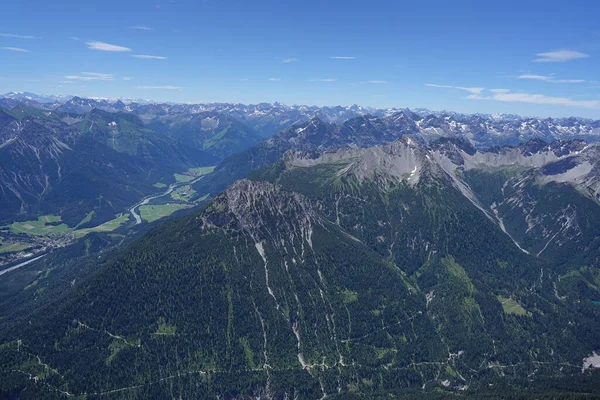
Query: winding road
[[21, 265]]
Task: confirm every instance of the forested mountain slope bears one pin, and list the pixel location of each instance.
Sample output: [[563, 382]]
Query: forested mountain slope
[[365, 270]]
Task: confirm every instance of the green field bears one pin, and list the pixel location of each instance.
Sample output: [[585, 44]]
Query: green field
[[12, 247], [159, 185], [201, 170], [105, 227], [151, 213], [41, 226], [511, 306], [183, 178], [87, 219], [183, 193], [193, 173]]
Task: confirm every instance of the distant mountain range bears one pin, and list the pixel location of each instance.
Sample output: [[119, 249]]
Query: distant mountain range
[[269, 118]]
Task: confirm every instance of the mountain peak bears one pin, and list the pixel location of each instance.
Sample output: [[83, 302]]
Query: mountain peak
[[251, 206]]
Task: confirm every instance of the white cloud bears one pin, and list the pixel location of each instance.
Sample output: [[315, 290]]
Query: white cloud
[[474, 90], [91, 76], [508, 96], [167, 87], [98, 74], [127, 78], [275, 79], [10, 35], [289, 60], [512, 97], [343, 58], [377, 82], [147, 57], [141, 28], [74, 38], [324, 80], [16, 49], [560, 56], [107, 47], [550, 79]]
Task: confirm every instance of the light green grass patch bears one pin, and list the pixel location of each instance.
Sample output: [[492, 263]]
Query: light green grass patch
[[108, 226], [201, 170], [154, 212], [193, 173], [183, 178], [40, 227], [183, 193], [12, 247], [511, 306], [164, 328], [87, 219], [349, 296], [159, 185]]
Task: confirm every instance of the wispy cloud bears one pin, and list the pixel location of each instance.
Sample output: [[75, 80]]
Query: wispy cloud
[[324, 80], [141, 28], [75, 38], [550, 79], [289, 60], [474, 90], [560, 56], [127, 78], [508, 96], [274, 79], [91, 76], [17, 49], [166, 87], [513, 97], [148, 57], [377, 82], [107, 47], [11, 35], [343, 58]]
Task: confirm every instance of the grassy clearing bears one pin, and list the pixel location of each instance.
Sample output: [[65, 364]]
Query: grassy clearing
[[159, 185], [152, 213], [183, 193], [12, 247], [350, 296], [87, 219], [201, 170], [105, 227], [193, 173], [45, 225], [164, 328], [183, 178], [511, 306], [49, 224]]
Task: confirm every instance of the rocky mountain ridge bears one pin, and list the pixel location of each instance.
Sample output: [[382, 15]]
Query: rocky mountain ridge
[[269, 118]]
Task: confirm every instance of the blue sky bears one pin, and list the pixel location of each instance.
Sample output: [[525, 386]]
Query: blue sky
[[526, 57]]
